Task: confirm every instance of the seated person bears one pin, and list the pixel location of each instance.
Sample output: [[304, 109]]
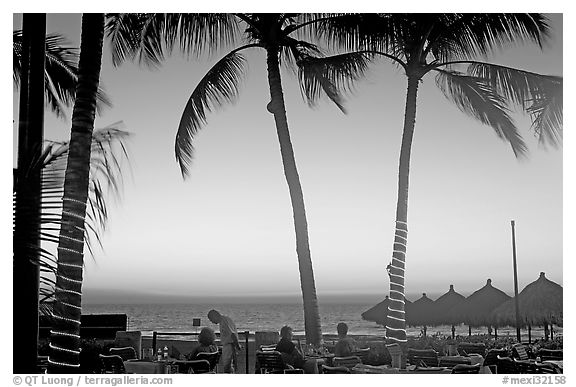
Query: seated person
[[206, 339], [345, 345], [292, 355]]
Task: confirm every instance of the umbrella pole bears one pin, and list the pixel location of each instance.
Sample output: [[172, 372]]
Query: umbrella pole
[[469, 330], [551, 332], [495, 333], [529, 334], [515, 284], [453, 332]]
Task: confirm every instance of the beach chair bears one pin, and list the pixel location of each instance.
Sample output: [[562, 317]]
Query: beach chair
[[520, 352], [126, 353], [466, 349], [268, 347], [193, 366], [112, 364], [270, 362], [293, 371], [453, 361], [466, 369], [346, 361], [423, 357], [550, 354], [212, 357], [491, 359], [362, 353], [505, 365], [335, 370], [543, 368]]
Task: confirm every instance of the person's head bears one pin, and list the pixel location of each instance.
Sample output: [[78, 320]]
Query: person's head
[[206, 336], [286, 332], [214, 316], [342, 329]]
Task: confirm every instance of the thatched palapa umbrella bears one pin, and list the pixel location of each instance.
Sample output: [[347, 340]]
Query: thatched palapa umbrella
[[540, 304], [444, 304], [421, 312], [475, 310], [379, 312]]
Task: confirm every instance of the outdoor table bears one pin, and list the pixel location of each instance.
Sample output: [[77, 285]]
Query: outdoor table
[[325, 358], [145, 367]]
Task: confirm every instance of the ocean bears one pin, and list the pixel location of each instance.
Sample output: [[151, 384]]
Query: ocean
[[255, 317]]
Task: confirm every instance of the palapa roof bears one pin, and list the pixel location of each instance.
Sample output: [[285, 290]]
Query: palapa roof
[[540, 302], [421, 312], [475, 310], [444, 304], [378, 312]]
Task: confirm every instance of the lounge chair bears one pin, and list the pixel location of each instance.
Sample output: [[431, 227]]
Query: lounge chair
[[335, 370], [346, 361], [466, 369], [491, 359], [466, 349], [126, 353], [423, 357], [362, 353], [550, 354], [270, 362], [212, 357], [112, 364]]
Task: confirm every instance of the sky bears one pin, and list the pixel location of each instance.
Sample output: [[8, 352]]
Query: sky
[[227, 230]]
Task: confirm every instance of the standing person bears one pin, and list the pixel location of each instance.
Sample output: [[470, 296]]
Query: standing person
[[228, 339], [345, 345]]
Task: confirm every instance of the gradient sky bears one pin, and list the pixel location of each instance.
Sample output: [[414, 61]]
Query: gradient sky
[[228, 230]]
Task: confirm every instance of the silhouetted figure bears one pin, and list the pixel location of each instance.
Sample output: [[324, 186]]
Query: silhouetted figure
[[292, 355], [206, 339], [345, 345], [228, 340]]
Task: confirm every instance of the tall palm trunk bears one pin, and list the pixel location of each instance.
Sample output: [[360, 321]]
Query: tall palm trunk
[[26, 273], [277, 107], [65, 335], [396, 321]]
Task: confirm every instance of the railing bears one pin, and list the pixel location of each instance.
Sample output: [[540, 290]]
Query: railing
[[155, 335]]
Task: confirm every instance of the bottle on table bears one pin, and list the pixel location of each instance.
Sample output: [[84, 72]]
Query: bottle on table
[[159, 354], [165, 352]]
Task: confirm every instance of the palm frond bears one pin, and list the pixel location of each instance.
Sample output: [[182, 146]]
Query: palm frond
[[469, 35], [547, 117], [123, 30], [197, 33], [354, 32], [60, 74], [539, 95], [477, 99], [219, 86], [330, 75], [103, 182]]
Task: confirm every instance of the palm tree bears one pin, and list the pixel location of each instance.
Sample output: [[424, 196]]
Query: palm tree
[[55, 66], [26, 271], [196, 33], [65, 333], [440, 43], [61, 72]]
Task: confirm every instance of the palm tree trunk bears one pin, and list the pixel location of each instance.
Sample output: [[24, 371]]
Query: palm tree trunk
[[277, 107], [65, 333], [26, 238], [396, 322]]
